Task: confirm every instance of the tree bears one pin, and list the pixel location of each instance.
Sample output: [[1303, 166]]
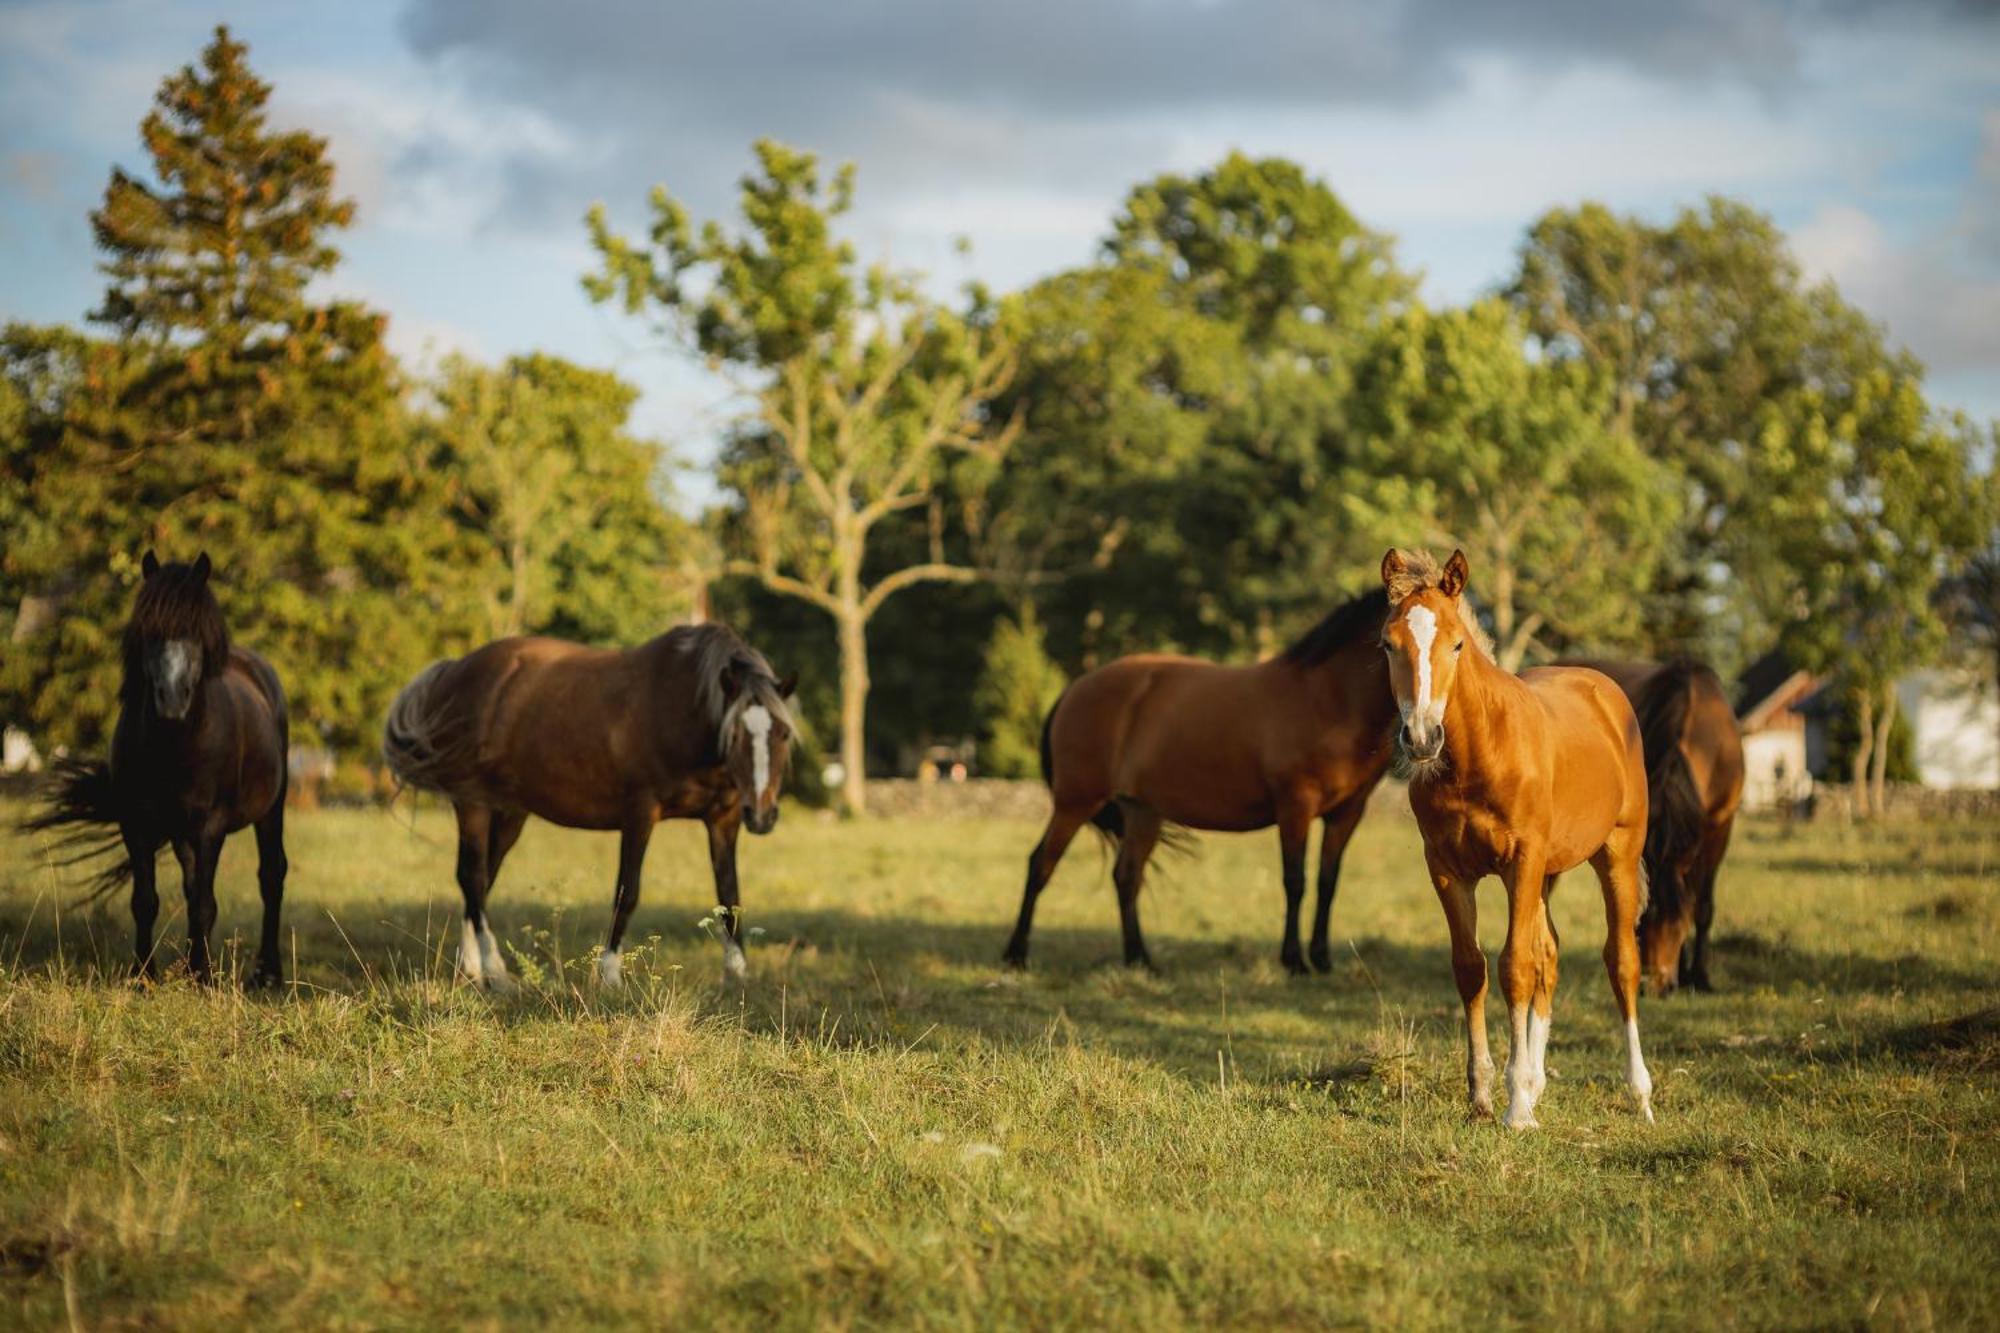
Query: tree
[[863, 391], [1695, 326], [1872, 500], [237, 415], [1179, 477], [1466, 439], [1017, 688], [565, 503]]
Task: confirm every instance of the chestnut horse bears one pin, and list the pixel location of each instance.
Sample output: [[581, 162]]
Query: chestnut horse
[[198, 753], [1151, 742], [1534, 774], [692, 725], [1694, 774]]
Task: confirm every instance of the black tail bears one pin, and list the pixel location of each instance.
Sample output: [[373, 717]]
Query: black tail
[[77, 798], [1677, 815], [1109, 819]]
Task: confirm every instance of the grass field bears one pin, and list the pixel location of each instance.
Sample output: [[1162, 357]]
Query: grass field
[[886, 1130]]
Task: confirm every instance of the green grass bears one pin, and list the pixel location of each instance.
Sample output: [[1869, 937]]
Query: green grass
[[887, 1130]]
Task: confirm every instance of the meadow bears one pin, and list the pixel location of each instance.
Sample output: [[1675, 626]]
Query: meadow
[[886, 1129]]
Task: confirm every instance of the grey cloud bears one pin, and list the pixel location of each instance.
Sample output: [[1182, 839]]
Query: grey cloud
[[931, 94]]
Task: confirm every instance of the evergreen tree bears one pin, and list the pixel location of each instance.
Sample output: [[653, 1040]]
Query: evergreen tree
[[1016, 690], [244, 418]]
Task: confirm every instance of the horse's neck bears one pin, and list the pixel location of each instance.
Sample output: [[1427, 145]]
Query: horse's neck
[[1480, 701], [1333, 690]]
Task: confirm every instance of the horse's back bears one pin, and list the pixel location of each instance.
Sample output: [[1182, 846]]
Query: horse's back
[[1596, 755], [1177, 733], [1714, 746]]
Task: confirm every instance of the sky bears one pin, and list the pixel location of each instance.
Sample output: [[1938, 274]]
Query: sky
[[474, 134]]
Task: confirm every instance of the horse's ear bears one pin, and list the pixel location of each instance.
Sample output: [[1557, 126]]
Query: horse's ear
[[1392, 565], [789, 685], [732, 680], [1455, 572], [149, 564], [202, 566]]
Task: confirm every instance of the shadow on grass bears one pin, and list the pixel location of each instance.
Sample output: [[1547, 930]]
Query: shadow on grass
[[851, 979]]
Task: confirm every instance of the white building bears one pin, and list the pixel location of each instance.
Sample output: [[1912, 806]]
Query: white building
[[1954, 719]]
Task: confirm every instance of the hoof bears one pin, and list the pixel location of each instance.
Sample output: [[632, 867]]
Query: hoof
[[499, 984], [1322, 961], [1480, 1108], [1013, 961], [1522, 1119], [264, 979], [1295, 965]]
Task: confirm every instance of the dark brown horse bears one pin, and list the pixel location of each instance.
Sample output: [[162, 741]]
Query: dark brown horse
[[692, 725], [1152, 742], [1694, 770], [198, 753]]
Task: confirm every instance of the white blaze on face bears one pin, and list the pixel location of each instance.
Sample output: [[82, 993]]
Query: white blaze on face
[[1423, 625], [757, 721]]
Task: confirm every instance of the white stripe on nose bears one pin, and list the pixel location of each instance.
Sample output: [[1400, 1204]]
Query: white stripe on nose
[[757, 721], [1423, 625]]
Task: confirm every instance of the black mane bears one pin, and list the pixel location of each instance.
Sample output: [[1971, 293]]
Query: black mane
[[175, 603], [1342, 625]]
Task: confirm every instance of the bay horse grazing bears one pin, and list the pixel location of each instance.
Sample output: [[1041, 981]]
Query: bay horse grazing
[[198, 752], [691, 725], [1153, 742], [1694, 775], [1533, 775]]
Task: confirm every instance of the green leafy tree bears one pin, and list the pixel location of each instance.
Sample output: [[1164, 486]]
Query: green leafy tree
[[566, 505], [1017, 687], [1695, 326], [863, 393], [1464, 440], [1872, 500], [237, 415], [1180, 472]]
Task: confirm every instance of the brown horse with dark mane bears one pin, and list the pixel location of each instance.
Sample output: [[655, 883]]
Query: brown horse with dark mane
[[1532, 775], [1695, 772], [692, 725], [1153, 742], [198, 752]]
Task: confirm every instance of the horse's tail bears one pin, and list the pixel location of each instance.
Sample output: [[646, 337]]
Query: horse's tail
[[1109, 821], [79, 799], [422, 741], [1677, 814]]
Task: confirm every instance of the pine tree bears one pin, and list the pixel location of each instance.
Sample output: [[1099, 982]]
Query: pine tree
[[257, 423]]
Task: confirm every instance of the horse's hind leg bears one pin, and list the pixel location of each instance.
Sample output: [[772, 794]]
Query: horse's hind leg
[[1042, 863], [478, 952], [271, 868], [1617, 867], [1142, 834]]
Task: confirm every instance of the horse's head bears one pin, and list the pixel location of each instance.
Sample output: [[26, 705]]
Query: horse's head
[[757, 732], [1661, 936], [1424, 637], [176, 640]]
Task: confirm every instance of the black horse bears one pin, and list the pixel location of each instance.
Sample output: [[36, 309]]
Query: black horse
[[198, 753]]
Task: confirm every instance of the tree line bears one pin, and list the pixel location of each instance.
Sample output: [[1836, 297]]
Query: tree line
[[1649, 438]]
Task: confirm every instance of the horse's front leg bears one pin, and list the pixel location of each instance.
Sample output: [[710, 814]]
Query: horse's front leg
[[1468, 969], [722, 831], [143, 852], [632, 840], [198, 863], [1528, 980], [1335, 830], [271, 867], [1293, 827]]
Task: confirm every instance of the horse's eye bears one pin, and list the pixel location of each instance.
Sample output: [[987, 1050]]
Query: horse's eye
[[1458, 648]]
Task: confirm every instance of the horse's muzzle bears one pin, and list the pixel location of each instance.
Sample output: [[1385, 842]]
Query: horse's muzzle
[[760, 822], [1422, 749]]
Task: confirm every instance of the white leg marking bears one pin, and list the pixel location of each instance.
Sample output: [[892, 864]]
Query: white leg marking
[[735, 967], [1538, 1054], [491, 964], [610, 972], [1520, 1100], [468, 952], [1636, 1077]]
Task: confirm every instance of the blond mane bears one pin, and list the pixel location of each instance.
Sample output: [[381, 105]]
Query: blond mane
[[1420, 572]]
